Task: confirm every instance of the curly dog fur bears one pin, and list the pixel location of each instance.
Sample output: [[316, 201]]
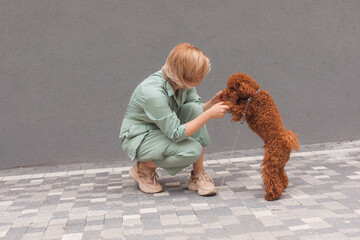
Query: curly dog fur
[[264, 119]]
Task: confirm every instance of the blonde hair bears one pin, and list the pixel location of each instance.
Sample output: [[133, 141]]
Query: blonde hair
[[185, 65]]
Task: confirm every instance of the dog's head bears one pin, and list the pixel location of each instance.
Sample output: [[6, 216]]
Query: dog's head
[[241, 86]]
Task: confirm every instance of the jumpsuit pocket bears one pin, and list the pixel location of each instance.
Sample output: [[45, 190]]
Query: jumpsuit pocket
[[131, 145], [136, 130], [133, 139]]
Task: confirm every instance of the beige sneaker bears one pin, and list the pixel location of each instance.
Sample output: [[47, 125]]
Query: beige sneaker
[[146, 178], [202, 183]]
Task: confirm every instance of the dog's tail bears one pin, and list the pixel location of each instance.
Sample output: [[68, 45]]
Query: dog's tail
[[291, 140]]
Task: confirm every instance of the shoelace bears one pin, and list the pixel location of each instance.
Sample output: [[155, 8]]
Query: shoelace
[[205, 177], [153, 176]]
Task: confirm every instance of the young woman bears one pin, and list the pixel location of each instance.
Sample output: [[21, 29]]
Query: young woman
[[164, 124]]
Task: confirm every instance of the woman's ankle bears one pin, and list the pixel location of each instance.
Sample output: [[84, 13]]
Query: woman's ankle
[[198, 169], [149, 164]]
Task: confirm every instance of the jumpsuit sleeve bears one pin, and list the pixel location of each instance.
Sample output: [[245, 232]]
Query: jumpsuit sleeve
[[158, 110], [192, 96]]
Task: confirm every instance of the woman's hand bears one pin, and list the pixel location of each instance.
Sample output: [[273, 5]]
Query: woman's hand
[[218, 110], [217, 97], [214, 100]]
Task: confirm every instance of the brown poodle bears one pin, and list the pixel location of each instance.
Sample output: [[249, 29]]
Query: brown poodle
[[258, 109]]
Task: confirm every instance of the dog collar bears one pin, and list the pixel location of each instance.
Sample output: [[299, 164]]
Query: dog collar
[[254, 93]]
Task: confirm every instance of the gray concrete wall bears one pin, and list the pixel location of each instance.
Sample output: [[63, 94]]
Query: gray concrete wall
[[68, 68]]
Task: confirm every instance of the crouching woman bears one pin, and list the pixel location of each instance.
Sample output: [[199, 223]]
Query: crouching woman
[[164, 124]]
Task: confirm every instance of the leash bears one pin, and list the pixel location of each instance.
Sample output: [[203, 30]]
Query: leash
[[242, 120]]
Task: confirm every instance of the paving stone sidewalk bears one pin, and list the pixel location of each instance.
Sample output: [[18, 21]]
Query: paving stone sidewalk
[[101, 201]]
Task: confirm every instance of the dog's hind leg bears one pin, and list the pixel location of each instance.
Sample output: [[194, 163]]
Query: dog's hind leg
[[273, 183], [284, 177], [284, 155]]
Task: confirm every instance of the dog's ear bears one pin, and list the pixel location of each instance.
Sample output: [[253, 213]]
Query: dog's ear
[[243, 84]]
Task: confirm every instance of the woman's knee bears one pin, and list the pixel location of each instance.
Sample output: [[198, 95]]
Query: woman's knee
[[193, 107], [189, 111]]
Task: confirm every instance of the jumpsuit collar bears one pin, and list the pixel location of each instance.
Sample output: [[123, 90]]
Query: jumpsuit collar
[[169, 88]]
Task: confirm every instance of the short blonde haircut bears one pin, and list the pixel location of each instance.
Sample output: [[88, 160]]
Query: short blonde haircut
[[186, 65]]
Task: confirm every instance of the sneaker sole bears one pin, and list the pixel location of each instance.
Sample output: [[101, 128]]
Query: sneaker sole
[[193, 187]]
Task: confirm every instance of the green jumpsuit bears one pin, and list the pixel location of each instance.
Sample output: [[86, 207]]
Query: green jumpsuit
[[154, 125]]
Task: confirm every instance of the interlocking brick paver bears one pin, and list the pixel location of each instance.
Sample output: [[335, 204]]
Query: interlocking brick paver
[[101, 201]]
